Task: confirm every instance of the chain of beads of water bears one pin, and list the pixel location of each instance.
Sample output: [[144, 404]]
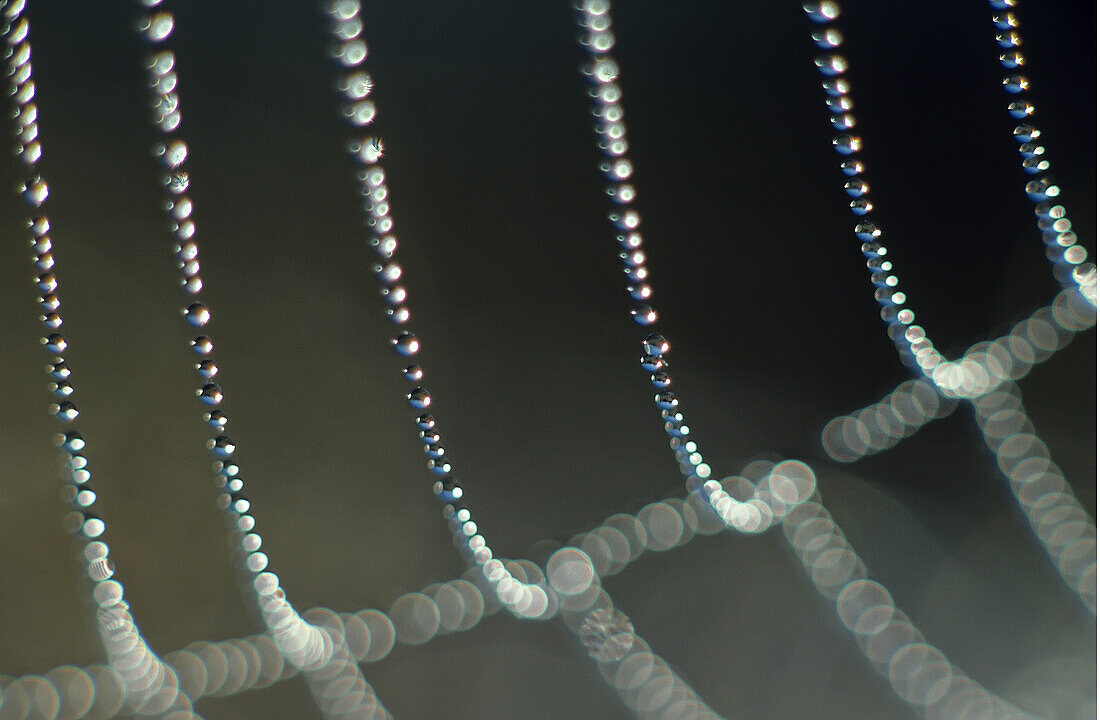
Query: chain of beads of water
[[913, 344], [305, 645], [150, 685], [602, 71], [354, 85]]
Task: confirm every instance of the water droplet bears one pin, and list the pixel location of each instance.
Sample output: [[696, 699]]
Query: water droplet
[[839, 104], [419, 398], [1033, 165], [210, 394], [71, 442], [831, 64], [65, 411], [434, 450], [222, 446], [55, 343], [1004, 21], [655, 344], [861, 206], [158, 27], [1009, 39], [608, 634], [35, 192], [643, 314], [856, 188], [399, 315], [851, 168], [836, 86], [447, 490], [1013, 59], [1025, 133], [666, 400], [439, 467], [660, 380], [847, 144], [414, 373], [351, 53], [847, 121], [58, 370], [406, 343], [61, 389], [652, 363], [52, 320], [177, 182], [868, 231], [47, 283], [202, 345], [358, 85], [174, 155], [426, 421], [1031, 149], [360, 113], [827, 38], [207, 368], [197, 314], [216, 419], [1016, 83]]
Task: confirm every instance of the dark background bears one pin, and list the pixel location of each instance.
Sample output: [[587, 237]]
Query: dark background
[[529, 351]]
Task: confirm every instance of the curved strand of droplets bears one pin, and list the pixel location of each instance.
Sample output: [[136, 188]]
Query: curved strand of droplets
[[1059, 521], [594, 18], [355, 86], [914, 346], [303, 645], [147, 684]]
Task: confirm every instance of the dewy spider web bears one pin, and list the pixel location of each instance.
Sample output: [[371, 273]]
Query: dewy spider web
[[665, 525]]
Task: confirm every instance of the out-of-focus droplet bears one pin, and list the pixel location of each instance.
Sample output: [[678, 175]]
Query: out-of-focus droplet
[[607, 635], [822, 12], [158, 27]]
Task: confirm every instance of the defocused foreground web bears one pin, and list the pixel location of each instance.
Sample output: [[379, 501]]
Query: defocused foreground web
[[328, 648]]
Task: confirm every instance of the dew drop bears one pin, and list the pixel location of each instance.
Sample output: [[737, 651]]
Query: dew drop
[[414, 373], [66, 411], [222, 446], [197, 314], [851, 168], [406, 343], [55, 343], [447, 490], [652, 363], [207, 368], [655, 344], [419, 398], [607, 634], [666, 400], [1025, 133], [202, 345], [856, 188], [847, 144], [47, 283], [644, 314], [210, 394], [426, 421], [868, 231], [158, 27], [177, 182], [216, 419], [1016, 83], [861, 206], [660, 380]]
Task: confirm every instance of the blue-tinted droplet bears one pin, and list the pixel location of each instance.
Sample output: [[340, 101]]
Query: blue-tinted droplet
[[210, 394], [406, 343], [197, 314], [419, 398], [655, 344]]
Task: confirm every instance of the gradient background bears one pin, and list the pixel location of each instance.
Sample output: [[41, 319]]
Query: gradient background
[[530, 355]]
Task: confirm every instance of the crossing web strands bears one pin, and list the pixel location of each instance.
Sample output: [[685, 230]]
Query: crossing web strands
[[958, 581]]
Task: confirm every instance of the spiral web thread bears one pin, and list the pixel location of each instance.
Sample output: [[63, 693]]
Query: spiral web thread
[[328, 647]]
